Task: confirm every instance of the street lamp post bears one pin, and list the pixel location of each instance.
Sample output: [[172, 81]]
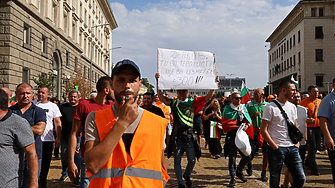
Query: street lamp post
[[230, 80], [111, 65], [91, 71]]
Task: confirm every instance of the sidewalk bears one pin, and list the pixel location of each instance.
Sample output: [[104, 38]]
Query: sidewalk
[[213, 173]]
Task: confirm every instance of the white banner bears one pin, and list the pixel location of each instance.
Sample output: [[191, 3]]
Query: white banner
[[186, 70]]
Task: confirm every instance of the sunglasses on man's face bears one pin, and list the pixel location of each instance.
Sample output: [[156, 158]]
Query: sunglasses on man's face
[[238, 98]]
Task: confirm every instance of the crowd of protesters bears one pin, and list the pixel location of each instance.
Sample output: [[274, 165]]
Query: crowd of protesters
[[102, 136]]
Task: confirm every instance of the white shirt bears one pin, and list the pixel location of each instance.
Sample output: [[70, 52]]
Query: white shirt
[[52, 112], [278, 127], [301, 121]]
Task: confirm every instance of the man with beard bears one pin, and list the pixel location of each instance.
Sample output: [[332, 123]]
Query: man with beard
[[301, 121], [85, 106], [123, 148], [147, 104], [67, 110], [280, 147]]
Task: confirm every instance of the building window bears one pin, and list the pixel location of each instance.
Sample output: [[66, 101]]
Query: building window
[[313, 12], [291, 62], [75, 64], [318, 54], [284, 47], [67, 59], [299, 58], [288, 66], [298, 36], [287, 44], [44, 45], [318, 33], [26, 35], [285, 67], [65, 24], [299, 82], [293, 40], [74, 30], [81, 10], [294, 60], [319, 80], [321, 12], [25, 75]]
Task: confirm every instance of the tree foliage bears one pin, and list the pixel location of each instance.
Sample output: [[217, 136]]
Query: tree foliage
[[44, 80], [148, 85], [81, 81]]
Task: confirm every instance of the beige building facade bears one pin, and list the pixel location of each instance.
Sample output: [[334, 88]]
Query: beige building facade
[[54, 37], [303, 46]]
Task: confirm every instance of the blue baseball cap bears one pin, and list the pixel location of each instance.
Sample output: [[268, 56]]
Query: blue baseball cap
[[126, 62]]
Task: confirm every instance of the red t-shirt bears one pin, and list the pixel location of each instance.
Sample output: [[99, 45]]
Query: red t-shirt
[[84, 107]]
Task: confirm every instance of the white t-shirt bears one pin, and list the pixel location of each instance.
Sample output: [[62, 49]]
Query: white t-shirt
[[301, 121], [278, 126], [52, 111]]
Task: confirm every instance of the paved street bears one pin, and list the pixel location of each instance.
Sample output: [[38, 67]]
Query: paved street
[[214, 173]]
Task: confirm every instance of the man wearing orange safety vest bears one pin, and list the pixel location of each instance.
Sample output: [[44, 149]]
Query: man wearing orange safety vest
[[123, 148]]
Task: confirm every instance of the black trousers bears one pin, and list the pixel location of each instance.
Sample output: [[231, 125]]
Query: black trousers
[[233, 154], [313, 139], [46, 159]]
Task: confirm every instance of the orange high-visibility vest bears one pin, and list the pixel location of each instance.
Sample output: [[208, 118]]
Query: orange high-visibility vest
[[143, 167], [165, 109]]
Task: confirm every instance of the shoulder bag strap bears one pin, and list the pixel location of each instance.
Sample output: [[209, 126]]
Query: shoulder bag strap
[[316, 104], [281, 110]]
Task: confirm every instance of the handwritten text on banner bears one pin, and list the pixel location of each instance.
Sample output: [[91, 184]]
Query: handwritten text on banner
[[186, 69]]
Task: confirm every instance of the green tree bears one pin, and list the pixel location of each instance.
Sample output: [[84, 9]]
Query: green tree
[[148, 85], [44, 80]]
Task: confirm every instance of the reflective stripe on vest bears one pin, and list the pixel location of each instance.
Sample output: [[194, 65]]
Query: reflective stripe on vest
[[131, 171]]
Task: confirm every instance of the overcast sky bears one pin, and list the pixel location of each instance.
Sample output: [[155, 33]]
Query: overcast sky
[[234, 30]]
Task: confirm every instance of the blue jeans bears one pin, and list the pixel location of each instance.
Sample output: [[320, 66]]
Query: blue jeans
[[331, 155], [84, 181], [64, 157], [26, 179], [190, 152], [290, 156]]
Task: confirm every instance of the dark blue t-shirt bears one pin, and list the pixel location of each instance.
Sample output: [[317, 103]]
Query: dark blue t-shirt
[[33, 115]]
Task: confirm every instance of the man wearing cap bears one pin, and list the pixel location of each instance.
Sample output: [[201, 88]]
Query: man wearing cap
[[123, 148], [85, 106], [183, 138], [271, 98]]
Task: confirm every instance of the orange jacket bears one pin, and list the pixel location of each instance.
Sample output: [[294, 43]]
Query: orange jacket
[[143, 167]]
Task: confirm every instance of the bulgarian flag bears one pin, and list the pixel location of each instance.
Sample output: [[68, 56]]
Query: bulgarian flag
[[230, 115], [245, 94], [214, 130]]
